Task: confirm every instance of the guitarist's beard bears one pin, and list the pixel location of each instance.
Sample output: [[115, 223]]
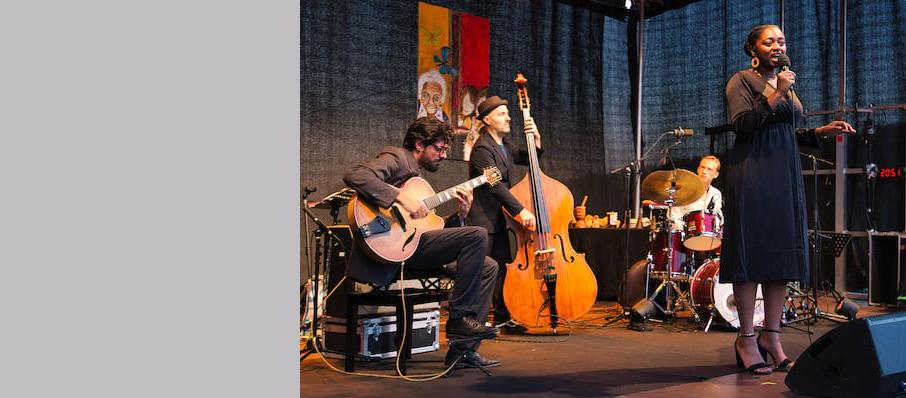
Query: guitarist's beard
[[431, 166], [427, 164]]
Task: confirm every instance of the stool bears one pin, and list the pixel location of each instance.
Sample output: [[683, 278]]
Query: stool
[[389, 298]]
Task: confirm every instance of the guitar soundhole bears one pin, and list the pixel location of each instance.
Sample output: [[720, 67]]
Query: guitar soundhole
[[409, 239]]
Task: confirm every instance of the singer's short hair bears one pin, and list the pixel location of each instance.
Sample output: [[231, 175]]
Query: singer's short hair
[[711, 157], [753, 36]]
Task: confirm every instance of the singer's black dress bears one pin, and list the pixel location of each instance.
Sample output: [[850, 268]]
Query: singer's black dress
[[765, 229]]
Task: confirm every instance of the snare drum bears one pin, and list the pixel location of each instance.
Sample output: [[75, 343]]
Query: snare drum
[[661, 244], [703, 231], [708, 295]]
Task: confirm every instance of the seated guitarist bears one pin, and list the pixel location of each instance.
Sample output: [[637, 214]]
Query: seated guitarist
[[425, 146]]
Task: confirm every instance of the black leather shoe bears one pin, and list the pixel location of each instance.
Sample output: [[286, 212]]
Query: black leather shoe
[[468, 327], [469, 359], [473, 358], [513, 329]]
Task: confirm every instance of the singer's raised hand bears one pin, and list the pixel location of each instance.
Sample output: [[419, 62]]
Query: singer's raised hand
[[785, 80], [835, 128]]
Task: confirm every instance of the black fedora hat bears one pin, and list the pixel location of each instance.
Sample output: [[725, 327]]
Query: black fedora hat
[[489, 104]]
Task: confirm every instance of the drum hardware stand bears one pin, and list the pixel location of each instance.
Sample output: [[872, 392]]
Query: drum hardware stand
[[713, 312], [668, 282]]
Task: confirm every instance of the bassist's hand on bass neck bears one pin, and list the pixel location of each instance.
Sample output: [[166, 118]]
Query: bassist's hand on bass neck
[[529, 127]]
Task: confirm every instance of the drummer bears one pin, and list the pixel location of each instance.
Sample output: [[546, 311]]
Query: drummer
[[712, 200]]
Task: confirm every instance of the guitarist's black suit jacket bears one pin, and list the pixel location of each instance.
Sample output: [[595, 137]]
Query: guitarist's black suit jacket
[[374, 181]]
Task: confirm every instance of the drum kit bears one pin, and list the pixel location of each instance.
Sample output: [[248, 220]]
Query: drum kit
[[685, 259]]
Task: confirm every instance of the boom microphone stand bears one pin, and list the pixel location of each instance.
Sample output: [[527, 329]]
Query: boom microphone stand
[[628, 170], [815, 246]]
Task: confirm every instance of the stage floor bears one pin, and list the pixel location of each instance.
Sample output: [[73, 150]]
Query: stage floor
[[587, 359]]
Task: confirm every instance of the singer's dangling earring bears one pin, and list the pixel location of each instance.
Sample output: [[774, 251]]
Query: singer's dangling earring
[[755, 63]]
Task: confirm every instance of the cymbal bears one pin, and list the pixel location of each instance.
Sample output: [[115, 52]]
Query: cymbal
[[687, 186]]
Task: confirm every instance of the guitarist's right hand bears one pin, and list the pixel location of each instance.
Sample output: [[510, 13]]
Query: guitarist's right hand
[[527, 219], [414, 206]]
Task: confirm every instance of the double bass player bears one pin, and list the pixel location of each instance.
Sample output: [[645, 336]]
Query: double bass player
[[494, 148]]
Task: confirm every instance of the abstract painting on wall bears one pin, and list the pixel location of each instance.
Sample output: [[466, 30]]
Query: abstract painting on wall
[[453, 70]]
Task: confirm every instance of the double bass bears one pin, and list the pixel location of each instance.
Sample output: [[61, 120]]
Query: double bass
[[547, 279]]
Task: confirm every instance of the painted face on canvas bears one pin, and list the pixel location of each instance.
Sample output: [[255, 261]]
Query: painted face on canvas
[[432, 97]]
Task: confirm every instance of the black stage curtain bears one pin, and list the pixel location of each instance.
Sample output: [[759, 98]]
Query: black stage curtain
[[605, 251]]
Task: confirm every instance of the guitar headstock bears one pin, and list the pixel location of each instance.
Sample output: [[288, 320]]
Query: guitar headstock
[[522, 91], [492, 174]]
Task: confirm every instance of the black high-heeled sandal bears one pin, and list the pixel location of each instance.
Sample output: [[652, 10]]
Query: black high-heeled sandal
[[785, 365], [754, 369]]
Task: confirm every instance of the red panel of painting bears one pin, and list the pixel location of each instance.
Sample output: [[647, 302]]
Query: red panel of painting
[[475, 46]]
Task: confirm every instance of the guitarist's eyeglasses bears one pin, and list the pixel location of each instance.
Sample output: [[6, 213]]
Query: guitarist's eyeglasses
[[441, 149]]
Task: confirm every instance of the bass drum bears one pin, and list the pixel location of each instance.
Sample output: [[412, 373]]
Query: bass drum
[[710, 296]]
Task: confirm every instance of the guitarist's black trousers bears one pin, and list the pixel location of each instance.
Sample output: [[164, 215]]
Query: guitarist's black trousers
[[460, 252]]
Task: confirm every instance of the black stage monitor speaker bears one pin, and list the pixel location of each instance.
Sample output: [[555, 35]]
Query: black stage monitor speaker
[[863, 358]]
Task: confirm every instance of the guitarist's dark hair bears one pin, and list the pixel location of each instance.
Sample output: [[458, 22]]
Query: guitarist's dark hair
[[427, 130]]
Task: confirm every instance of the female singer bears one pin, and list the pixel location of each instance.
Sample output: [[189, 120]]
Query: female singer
[[765, 233]]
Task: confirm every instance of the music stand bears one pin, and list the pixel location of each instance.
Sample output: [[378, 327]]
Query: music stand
[[334, 202], [715, 131], [840, 240]]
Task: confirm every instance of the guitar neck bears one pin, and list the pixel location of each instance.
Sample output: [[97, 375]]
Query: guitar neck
[[447, 194]]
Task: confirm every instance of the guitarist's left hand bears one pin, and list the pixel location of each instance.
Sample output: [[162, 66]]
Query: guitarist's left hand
[[464, 196]]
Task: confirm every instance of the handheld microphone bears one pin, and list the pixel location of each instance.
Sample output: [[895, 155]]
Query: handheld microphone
[[783, 61], [681, 132]]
